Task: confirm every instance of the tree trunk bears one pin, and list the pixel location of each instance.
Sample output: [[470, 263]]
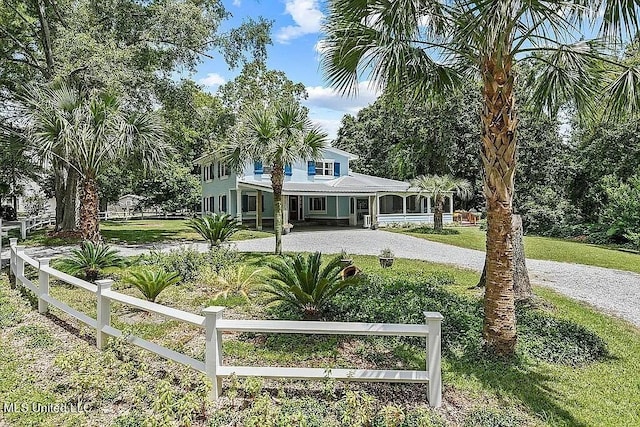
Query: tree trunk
[[521, 283], [437, 215], [89, 221], [498, 153], [277, 179], [66, 191]]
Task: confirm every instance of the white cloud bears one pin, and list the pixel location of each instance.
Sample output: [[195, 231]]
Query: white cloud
[[307, 16], [324, 97], [213, 80], [237, 3], [330, 126]]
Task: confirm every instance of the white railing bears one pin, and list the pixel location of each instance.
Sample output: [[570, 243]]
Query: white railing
[[26, 225], [214, 325]]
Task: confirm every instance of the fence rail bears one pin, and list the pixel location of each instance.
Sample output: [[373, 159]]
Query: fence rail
[[214, 325]]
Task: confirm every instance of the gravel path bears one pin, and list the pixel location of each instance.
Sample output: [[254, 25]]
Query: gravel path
[[612, 291]]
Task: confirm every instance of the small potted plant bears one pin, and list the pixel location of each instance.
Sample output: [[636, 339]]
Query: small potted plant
[[386, 258], [345, 259]]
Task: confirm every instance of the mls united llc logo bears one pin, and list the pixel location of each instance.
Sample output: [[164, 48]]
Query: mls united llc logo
[[77, 406]]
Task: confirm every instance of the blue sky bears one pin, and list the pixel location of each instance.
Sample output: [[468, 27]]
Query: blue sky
[[295, 34]]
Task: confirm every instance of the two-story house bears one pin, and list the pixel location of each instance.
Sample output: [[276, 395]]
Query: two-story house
[[324, 191]]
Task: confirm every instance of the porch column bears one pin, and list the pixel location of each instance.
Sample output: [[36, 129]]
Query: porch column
[[451, 203], [429, 204], [259, 210], [376, 206], [239, 205], [404, 205], [285, 210]]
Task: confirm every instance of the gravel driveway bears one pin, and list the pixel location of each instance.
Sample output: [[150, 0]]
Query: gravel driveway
[[612, 291]]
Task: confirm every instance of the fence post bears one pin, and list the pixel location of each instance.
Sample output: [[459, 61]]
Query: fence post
[[23, 229], [213, 348], [19, 264], [13, 242], [103, 317], [43, 285], [434, 320]]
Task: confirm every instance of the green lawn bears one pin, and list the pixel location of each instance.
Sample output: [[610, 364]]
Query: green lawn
[[40, 360], [545, 248], [139, 232]]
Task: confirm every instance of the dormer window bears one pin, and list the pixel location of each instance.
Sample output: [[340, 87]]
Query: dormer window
[[324, 168]]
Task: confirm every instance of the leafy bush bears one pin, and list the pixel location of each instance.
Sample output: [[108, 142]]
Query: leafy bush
[[188, 262], [215, 228], [403, 299], [304, 283], [89, 259], [488, 417], [431, 230], [152, 283], [238, 281], [557, 340]]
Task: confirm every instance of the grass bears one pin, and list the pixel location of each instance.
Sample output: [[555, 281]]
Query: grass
[[136, 232], [40, 357], [544, 248]]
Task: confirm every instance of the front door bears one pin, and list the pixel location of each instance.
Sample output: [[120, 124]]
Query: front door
[[362, 209], [294, 208]]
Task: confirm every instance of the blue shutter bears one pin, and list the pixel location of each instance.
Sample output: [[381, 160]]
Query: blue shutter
[[257, 167], [336, 169], [311, 167], [287, 170]]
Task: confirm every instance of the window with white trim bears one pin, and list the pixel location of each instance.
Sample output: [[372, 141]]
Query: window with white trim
[[223, 170], [324, 168], [222, 203], [317, 204], [390, 204], [414, 204]]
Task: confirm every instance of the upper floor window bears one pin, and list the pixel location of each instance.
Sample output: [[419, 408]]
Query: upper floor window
[[324, 168], [223, 170]]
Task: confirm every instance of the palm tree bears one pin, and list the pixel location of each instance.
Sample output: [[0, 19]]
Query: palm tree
[[277, 136], [425, 48], [439, 187], [89, 131], [215, 228]]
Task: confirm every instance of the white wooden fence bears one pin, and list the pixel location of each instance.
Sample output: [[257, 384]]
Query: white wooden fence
[[214, 325], [26, 225]]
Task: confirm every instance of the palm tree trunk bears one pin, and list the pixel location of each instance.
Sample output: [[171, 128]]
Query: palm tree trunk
[[437, 214], [66, 190], [277, 179], [89, 221], [498, 155]]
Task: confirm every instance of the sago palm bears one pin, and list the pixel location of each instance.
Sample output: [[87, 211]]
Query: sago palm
[[424, 48], [304, 283], [152, 282], [89, 131], [89, 259], [277, 136], [440, 187], [215, 228]]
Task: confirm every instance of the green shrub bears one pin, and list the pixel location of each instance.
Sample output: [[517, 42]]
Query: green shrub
[[431, 230], [37, 336], [304, 283], [89, 259], [403, 299], [557, 340], [488, 417], [189, 263], [215, 228], [237, 281], [152, 282]]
